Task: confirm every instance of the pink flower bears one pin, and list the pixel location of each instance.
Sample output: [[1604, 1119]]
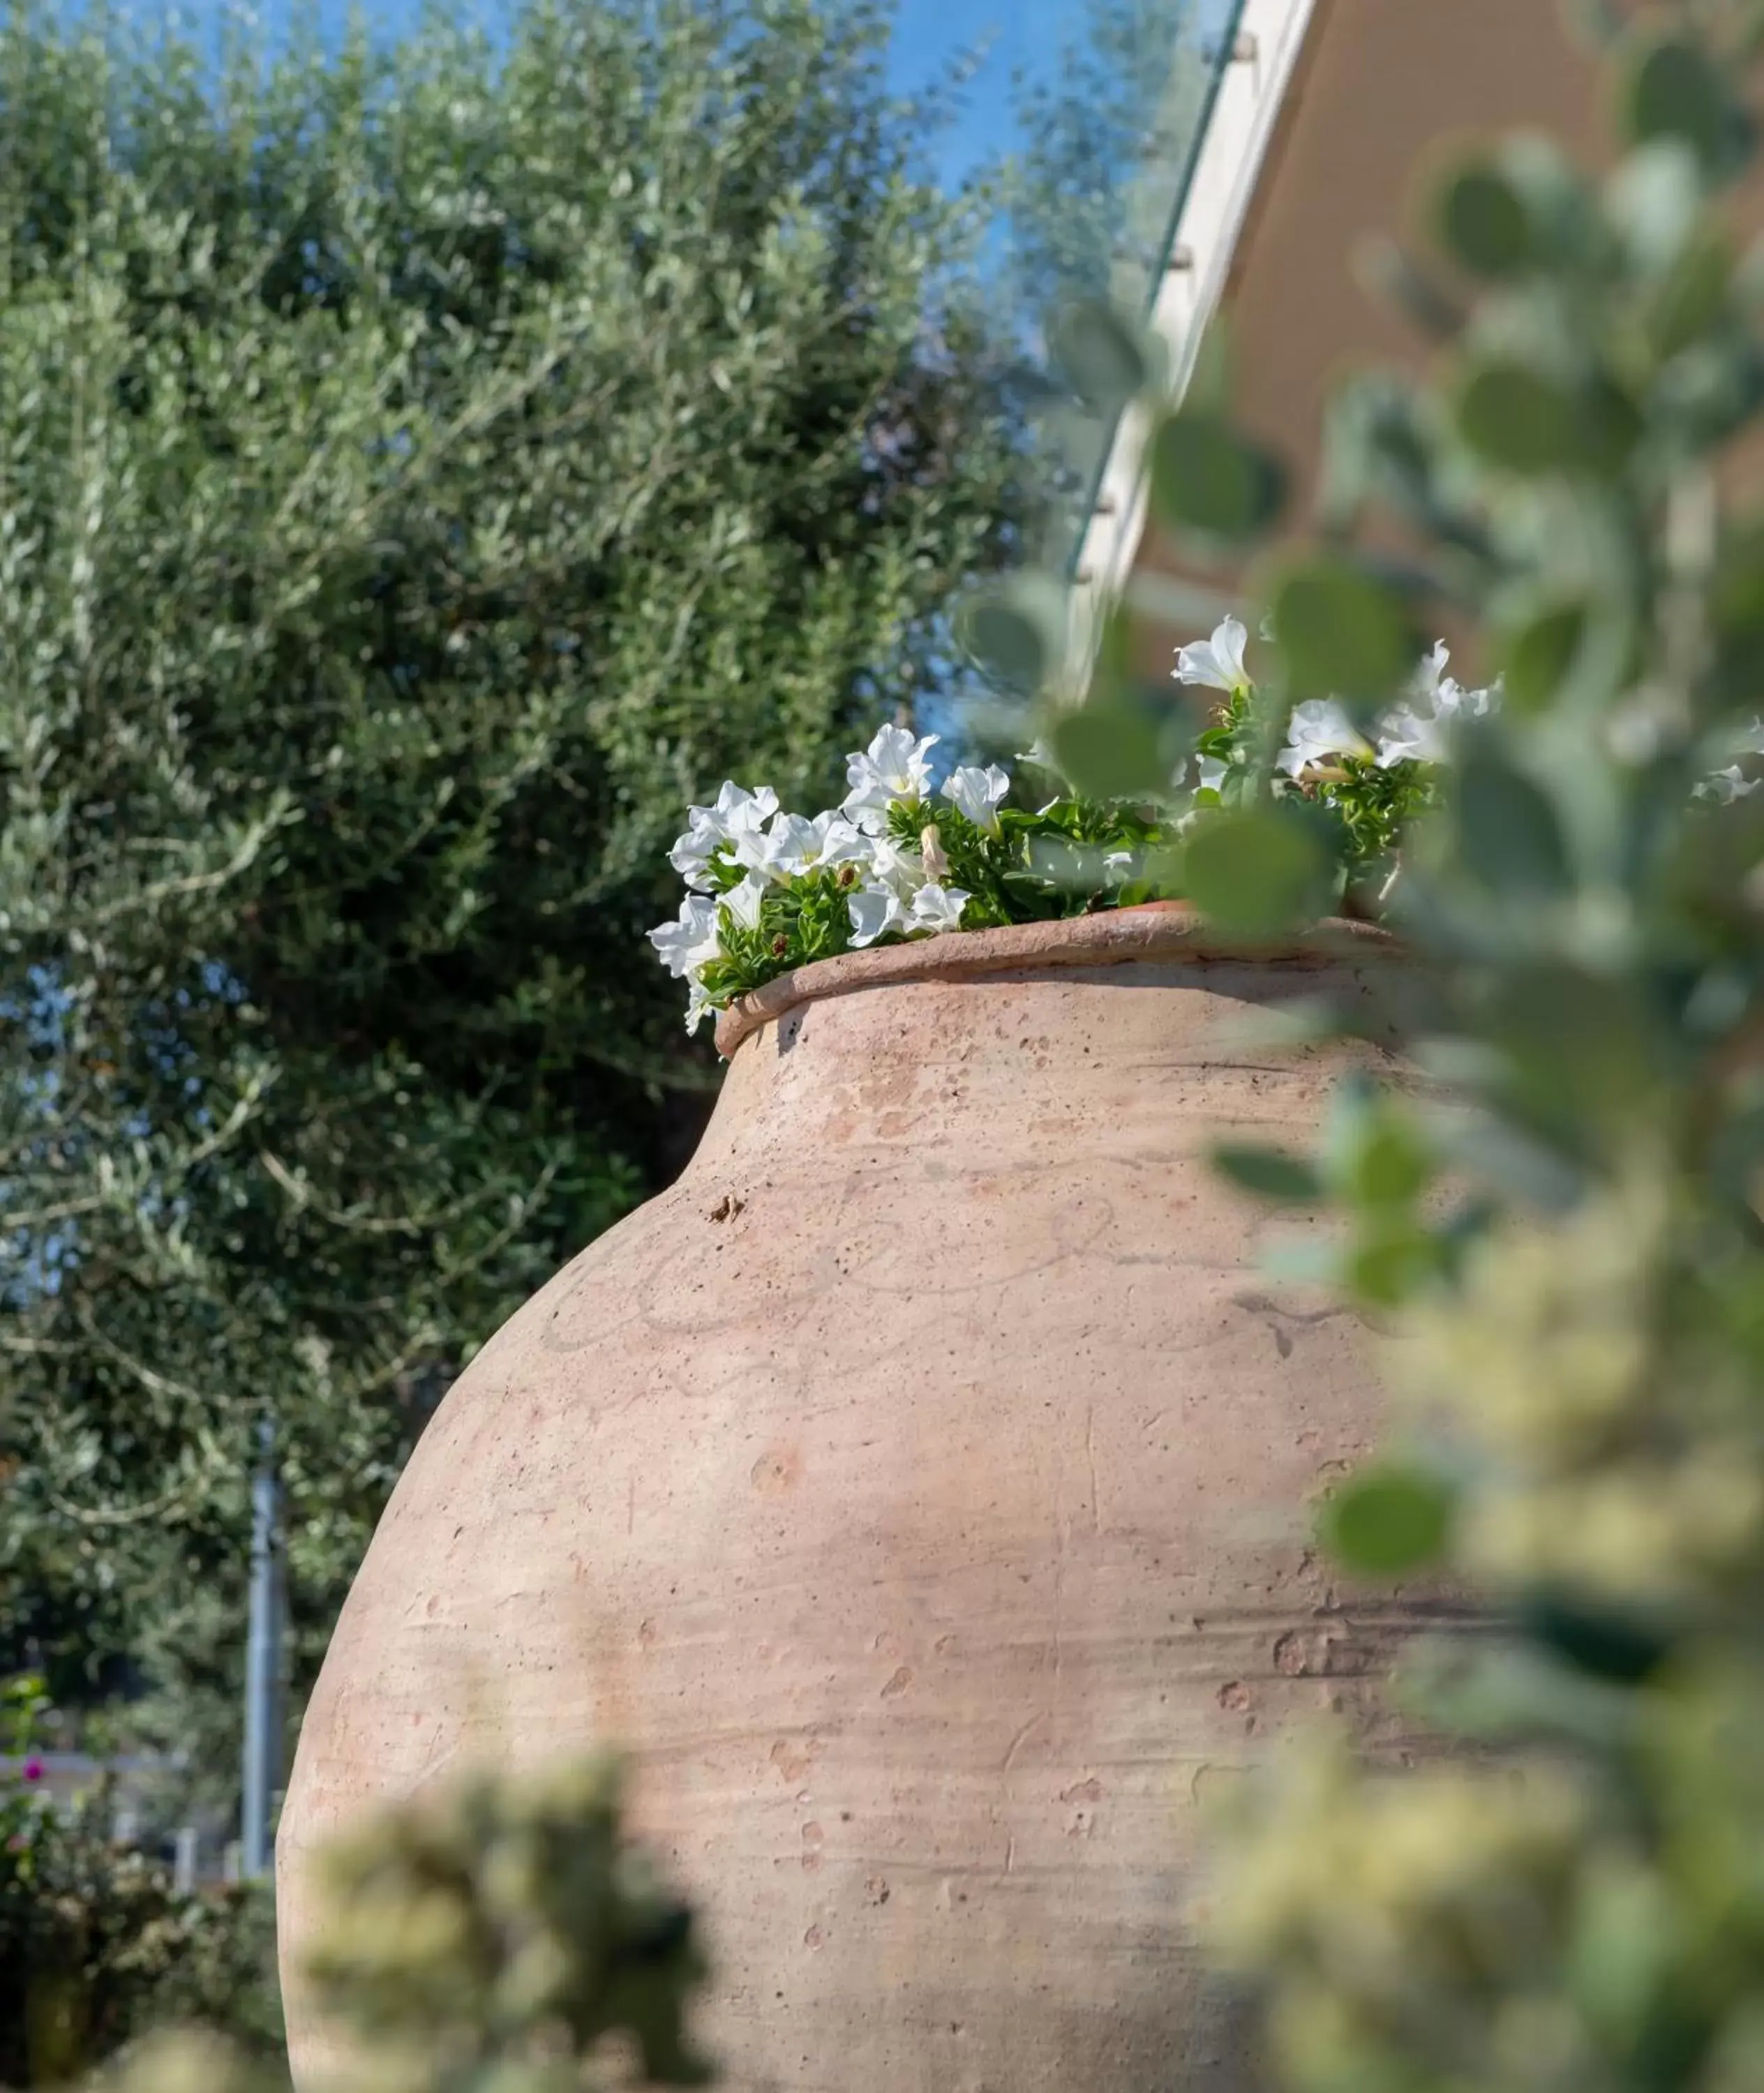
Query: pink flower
[[33, 1770]]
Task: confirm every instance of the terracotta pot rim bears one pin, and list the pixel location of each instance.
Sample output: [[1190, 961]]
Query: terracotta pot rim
[[1154, 931]]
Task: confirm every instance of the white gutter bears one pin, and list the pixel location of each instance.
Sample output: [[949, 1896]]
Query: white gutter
[[1252, 87]]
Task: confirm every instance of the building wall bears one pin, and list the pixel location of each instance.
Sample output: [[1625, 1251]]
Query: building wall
[[1383, 90]]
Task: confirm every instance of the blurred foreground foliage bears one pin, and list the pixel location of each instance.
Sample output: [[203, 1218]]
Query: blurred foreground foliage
[[503, 1937], [1560, 1227]]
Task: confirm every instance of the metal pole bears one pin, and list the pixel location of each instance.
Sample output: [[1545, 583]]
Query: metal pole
[[263, 1665]]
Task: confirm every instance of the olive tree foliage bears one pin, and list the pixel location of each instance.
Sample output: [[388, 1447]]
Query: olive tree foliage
[[422, 472], [1562, 1233]]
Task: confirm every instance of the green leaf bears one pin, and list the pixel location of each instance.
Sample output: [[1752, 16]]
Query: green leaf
[[1483, 222], [1540, 654], [1692, 298], [1391, 1265], [1269, 1174], [1737, 599], [1257, 872], [1518, 420], [1599, 1641], [1206, 479], [1016, 632], [1671, 88], [1387, 1165], [1509, 839], [1113, 751], [1344, 633], [1103, 357], [1389, 1520]]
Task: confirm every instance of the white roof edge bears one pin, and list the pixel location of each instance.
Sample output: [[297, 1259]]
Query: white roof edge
[[1252, 87]]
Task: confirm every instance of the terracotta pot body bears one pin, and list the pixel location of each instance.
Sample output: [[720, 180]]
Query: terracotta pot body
[[919, 1490]]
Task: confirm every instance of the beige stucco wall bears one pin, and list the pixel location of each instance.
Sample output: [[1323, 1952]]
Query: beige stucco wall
[[1383, 88]]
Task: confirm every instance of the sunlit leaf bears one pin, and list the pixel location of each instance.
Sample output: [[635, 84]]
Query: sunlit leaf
[[1672, 88], [1517, 418], [1113, 751], [1389, 1165], [1509, 837], [1102, 355], [1540, 654], [1389, 1268], [1258, 871], [1207, 479], [1389, 1520], [1017, 631], [1483, 222], [1344, 633]]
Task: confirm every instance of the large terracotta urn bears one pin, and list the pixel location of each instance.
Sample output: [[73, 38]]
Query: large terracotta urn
[[920, 1491]]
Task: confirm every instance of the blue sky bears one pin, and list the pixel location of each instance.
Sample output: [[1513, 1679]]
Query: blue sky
[[1017, 33], [929, 34]]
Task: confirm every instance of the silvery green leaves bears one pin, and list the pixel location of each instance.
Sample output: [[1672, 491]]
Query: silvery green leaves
[[1673, 87], [1017, 631], [1561, 1218], [1377, 1168], [1106, 360], [1342, 632], [1210, 485]]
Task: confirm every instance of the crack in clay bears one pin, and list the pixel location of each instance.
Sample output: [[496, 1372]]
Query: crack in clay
[[1089, 1449], [1021, 1737]]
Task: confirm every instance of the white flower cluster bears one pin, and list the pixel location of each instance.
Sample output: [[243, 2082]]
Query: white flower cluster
[[1414, 730], [893, 886], [1732, 782], [892, 876], [1417, 730]]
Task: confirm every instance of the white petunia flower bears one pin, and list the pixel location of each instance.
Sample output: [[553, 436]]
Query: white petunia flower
[[737, 812], [837, 841], [698, 1005], [1409, 734], [1217, 663], [893, 768], [1405, 736], [978, 793], [897, 867], [875, 911], [1726, 786], [1426, 682], [884, 903], [1211, 772], [936, 908], [742, 902], [689, 941], [1731, 783], [1455, 702], [1320, 729], [793, 845]]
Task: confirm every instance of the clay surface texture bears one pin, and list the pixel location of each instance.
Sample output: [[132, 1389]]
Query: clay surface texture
[[921, 1490]]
